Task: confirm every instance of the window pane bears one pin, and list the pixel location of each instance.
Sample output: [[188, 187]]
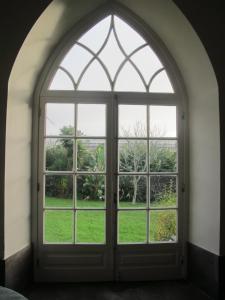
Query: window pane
[[132, 227], [147, 62], [91, 120], [128, 37], [132, 121], [163, 121], [59, 154], [90, 191], [129, 80], [161, 84], [163, 226], [91, 155], [94, 79], [58, 191], [59, 119], [163, 156], [61, 81], [75, 61], [163, 191], [58, 226], [132, 156], [111, 55], [95, 37], [90, 227], [132, 191]]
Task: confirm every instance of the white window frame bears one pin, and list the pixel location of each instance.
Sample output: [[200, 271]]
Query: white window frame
[[177, 250]]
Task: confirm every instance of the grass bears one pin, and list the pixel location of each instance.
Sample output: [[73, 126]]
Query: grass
[[90, 225]]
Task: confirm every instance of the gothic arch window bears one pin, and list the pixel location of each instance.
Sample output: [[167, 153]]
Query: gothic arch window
[[110, 156], [111, 56]]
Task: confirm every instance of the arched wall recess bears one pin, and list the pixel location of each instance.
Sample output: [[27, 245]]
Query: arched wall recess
[[201, 88]]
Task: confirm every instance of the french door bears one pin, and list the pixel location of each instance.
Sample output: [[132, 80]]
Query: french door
[[110, 188]]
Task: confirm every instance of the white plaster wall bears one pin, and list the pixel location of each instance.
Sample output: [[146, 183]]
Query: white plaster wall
[[175, 31]]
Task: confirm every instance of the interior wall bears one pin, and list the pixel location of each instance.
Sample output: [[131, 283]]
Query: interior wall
[[187, 50]]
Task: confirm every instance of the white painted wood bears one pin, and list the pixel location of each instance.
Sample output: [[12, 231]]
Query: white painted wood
[[110, 261]]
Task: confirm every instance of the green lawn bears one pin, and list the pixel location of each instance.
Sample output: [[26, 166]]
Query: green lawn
[[90, 225]]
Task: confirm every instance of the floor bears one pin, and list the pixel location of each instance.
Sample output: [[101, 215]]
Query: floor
[[167, 290]]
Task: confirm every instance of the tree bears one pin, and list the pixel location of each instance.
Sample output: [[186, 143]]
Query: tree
[[133, 157]]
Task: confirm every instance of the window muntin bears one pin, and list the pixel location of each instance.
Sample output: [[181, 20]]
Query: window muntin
[[74, 211], [87, 67], [147, 175], [111, 56]]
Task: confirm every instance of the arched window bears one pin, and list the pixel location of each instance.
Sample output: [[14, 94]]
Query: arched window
[[111, 56], [110, 152]]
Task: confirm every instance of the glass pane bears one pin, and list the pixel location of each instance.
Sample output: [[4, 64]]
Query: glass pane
[[147, 62], [59, 119], [90, 191], [163, 226], [111, 55], [132, 227], [90, 227], [94, 79], [132, 191], [132, 121], [75, 61], [163, 191], [95, 37], [163, 121], [91, 155], [58, 191], [59, 154], [58, 226], [132, 156], [91, 120], [163, 156], [161, 84], [128, 37], [129, 80], [61, 81]]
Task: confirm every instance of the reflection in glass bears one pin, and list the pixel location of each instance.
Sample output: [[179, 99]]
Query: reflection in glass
[[61, 81], [132, 156], [147, 62], [132, 121], [131, 227], [129, 80], [132, 191], [163, 226], [90, 227], [75, 61], [91, 120], [112, 62], [163, 191], [56, 122], [163, 155], [90, 191], [161, 84], [58, 154], [162, 121], [95, 37], [128, 37], [58, 226], [94, 79], [91, 155], [58, 191]]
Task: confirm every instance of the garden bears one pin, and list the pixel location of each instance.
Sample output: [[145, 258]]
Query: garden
[[89, 193]]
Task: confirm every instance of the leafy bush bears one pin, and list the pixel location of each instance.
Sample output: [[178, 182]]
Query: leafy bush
[[166, 226]]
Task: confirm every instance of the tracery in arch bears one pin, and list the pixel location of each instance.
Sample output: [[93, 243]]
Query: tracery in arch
[[111, 56]]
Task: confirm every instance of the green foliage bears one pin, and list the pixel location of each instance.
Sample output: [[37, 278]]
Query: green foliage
[[166, 226], [162, 159]]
